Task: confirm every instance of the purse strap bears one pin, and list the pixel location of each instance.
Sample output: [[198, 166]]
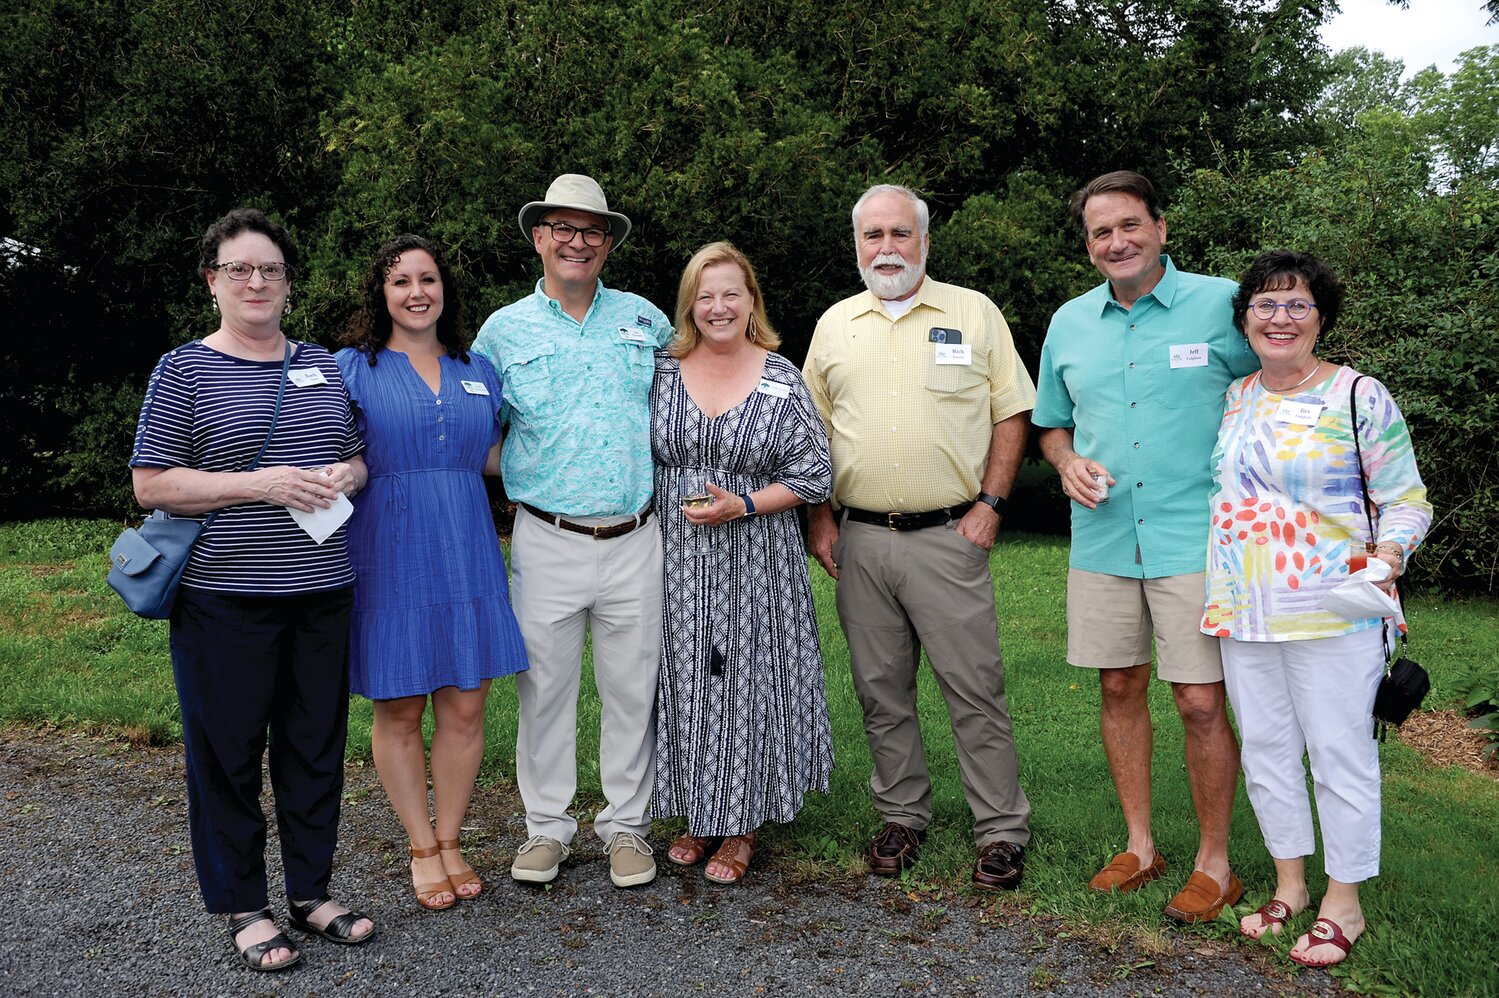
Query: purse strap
[[275, 417], [1358, 454]]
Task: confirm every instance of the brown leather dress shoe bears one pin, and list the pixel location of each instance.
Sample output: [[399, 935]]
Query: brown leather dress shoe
[[1202, 899], [1000, 866], [894, 849], [1124, 873]]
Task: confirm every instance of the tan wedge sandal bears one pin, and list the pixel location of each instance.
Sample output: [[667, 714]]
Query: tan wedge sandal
[[426, 892]]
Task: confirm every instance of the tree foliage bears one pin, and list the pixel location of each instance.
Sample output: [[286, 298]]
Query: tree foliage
[[136, 122]]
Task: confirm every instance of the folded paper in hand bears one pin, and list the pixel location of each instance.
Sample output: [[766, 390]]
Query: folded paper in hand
[[321, 523], [1359, 598]]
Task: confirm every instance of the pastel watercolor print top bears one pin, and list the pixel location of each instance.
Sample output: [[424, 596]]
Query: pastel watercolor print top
[[1288, 510]]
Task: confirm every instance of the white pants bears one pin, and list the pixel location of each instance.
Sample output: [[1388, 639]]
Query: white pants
[[1316, 696], [563, 584]]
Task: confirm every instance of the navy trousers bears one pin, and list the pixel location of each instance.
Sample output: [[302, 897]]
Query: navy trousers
[[248, 667]]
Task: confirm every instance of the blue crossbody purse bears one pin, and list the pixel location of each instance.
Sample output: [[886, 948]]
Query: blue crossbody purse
[[146, 562]]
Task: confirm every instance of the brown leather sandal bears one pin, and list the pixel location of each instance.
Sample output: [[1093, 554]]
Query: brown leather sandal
[[426, 892], [729, 855], [692, 847], [466, 877]]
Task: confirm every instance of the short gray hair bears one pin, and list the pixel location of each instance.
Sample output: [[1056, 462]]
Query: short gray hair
[[923, 216]]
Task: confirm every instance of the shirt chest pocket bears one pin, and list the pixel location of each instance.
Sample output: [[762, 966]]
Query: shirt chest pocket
[[956, 380], [527, 379], [640, 361], [1189, 387]]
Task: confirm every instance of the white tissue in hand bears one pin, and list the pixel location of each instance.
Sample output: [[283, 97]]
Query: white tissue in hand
[[321, 523], [1359, 598]]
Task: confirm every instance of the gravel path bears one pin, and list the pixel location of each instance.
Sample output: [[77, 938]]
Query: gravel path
[[101, 899]]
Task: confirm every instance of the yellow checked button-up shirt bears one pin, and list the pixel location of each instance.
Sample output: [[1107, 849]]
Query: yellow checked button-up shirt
[[908, 433]]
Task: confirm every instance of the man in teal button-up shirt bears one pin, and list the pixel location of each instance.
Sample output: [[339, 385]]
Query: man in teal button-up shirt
[[576, 361], [1131, 390]]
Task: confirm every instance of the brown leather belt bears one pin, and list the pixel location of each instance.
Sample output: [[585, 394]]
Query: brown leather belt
[[602, 533], [908, 521]]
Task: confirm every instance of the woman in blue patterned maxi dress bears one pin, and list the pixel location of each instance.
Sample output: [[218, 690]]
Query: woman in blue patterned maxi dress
[[432, 614], [742, 723]]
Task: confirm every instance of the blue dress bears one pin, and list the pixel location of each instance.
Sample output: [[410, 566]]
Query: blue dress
[[432, 601]]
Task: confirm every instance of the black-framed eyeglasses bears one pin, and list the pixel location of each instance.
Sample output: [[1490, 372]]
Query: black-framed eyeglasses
[[563, 233], [1296, 308], [237, 271]]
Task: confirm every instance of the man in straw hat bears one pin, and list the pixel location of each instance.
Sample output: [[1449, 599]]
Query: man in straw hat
[[576, 360]]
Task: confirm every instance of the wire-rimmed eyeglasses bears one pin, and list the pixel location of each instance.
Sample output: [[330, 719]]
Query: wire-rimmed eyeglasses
[[238, 271]]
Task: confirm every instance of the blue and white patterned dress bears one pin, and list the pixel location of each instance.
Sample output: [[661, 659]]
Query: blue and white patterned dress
[[741, 714]]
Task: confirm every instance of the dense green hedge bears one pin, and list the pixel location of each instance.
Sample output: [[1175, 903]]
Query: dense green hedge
[[133, 124]]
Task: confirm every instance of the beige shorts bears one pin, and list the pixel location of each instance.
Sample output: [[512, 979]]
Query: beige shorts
[[1111, 619]]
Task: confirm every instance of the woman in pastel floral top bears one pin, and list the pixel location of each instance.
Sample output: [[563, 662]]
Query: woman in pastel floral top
[[1288, 522]]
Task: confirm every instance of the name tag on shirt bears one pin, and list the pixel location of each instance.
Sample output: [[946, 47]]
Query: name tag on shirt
[[475, 387], [1298, 413], [306, 377], [1189, 355], [954, 353], [632, 334], [774, 389]]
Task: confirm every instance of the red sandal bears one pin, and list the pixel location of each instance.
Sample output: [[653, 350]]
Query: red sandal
[[1324, 930]]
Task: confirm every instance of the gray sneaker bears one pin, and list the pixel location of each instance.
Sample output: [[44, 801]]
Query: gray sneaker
[[631, 862], [536, 861]]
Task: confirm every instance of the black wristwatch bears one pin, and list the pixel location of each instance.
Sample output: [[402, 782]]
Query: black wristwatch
[[996, 503]]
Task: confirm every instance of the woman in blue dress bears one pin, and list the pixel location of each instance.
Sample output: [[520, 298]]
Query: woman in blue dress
[[432, 614]]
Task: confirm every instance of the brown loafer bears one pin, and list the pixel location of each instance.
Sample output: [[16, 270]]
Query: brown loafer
[[1202, 899], [1000, 866], [1124, 873], [894, 849]]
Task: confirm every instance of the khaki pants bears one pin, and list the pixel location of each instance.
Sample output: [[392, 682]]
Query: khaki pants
[[565, 583], [897, 593]]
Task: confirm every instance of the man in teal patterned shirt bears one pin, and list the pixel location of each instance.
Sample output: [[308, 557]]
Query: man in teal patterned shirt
[[1130, 393], [576, 361]]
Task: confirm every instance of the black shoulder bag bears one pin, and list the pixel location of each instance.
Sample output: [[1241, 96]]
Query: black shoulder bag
[[1405, 684]]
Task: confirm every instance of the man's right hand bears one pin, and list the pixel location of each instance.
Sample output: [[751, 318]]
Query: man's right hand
[[822, 531], [1077, 479]]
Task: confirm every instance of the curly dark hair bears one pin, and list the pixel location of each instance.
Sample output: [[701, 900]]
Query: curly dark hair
[[369, 328], [1279, 270], [238, 221]]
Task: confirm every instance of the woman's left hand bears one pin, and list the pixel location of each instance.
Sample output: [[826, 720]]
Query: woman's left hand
[[726, 506], [1388, 585], [343, 477]]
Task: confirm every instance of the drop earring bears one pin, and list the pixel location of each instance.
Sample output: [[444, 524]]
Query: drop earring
[[287, 309], [214, 302]]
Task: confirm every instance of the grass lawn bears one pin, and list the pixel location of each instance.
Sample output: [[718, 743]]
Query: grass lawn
[[74, 657]]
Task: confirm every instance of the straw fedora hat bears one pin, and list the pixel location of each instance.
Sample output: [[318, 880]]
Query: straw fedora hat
[[581, 193]]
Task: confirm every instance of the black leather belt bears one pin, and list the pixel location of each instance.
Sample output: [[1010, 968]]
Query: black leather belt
[[908, 521], [602, 533]]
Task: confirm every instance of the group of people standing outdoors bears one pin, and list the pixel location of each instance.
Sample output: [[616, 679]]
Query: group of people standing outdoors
[[657, 463]]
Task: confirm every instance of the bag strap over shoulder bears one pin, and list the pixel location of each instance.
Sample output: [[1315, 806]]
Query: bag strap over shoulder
[[1363, 483]]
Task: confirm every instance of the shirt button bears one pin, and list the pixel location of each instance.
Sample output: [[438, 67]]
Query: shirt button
[[1141, 522], [1137, 445], [1133, 404], [1132, 365], [1139, 485], [439, 419], [442, 437], [894, 429], [1132, 325], [439, 401]]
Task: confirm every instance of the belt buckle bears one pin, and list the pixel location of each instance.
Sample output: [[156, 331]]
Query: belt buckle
[[890, 520], [596, 535]]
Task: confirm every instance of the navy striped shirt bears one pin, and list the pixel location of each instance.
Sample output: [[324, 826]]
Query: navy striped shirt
[[210, 411]]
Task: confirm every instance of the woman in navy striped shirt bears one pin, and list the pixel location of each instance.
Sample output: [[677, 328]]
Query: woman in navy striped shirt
[[259, 631]]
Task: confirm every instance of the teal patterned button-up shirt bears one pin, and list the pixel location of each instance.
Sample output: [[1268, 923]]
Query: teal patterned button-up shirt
[[577, 400]]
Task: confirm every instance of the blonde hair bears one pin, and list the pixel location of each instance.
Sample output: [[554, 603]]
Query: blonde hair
[[760, 331]]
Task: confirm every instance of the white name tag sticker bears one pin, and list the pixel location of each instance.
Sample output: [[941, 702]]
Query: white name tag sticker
[[306, 377], [1189, 355], [475, 387], [1298, 413], [774, 389], [954, 353], [632, 334]]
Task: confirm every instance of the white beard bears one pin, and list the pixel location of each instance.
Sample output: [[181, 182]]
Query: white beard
[[894, 286]]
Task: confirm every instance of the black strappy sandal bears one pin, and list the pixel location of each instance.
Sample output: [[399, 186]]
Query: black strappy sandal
[[336, 931], [254, 954]]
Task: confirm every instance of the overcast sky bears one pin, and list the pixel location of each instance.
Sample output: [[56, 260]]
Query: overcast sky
[[1429, 32]]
